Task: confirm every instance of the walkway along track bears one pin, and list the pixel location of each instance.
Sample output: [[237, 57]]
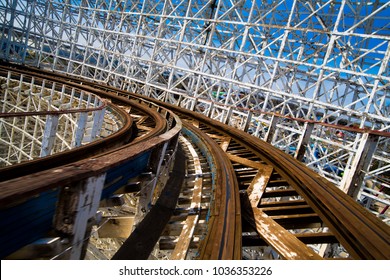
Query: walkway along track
[[284, 205]]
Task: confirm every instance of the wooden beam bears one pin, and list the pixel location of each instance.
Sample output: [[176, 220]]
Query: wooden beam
[[286, 244], [225, 143], [307, 238], [287, 210], [280, 193], [183, 243], [246, 162], [259, 183]]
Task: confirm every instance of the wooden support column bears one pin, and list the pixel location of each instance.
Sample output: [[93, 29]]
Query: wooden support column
[[49, 135], [229, 115], [76, 210], [179, 100], [81, 124], [98, 118], [248, 121], [271, 129], [193, 104], [354, 174], [211, 109], [302, 144]]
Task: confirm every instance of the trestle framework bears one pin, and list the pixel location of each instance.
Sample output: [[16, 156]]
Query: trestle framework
[[39, 118], [298, 74]]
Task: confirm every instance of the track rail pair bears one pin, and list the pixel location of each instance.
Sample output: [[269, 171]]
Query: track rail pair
[[263, 197]]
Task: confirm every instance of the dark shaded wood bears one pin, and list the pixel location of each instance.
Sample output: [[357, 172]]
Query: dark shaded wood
[[142, 240]]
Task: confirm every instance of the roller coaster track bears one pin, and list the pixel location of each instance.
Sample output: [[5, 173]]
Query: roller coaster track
[[207, 190]]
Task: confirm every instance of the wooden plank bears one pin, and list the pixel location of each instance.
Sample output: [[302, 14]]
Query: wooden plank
[[280, 193], [169, 244], [246, 162], [307, 238], [146, 128], [279, 203], [225, 143], [183, 244], [141, 120], [216, 136], [287, 210], [259, 183], [286, 244], [296, 217]]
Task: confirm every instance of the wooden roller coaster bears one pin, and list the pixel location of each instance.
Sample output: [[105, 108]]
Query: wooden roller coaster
[[206, 191]]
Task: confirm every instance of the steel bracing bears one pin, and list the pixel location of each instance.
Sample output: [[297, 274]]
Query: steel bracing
[[294, 73]]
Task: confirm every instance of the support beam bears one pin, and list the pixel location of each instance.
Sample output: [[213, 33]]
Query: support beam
[[229, 115], [354, 175], [98, 117], [81, 124], [284, 242], [271, 129], [248, 121], [77, 207], [210, 110], [49, 135], [302, 144]]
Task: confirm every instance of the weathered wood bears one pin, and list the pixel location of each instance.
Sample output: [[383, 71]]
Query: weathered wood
[[170, 244], [182, 246], [307, 238], [285, 243], [225, 143], [280, 193], [244, 161], [142, 240], [287, 210], [142, 127], [279, 203], [258, 184], [185, 238]]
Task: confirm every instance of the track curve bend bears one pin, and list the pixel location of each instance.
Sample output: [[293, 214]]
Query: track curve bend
[[237, 197]]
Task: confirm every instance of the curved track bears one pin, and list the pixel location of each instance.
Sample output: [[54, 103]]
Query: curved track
[[257, 200]]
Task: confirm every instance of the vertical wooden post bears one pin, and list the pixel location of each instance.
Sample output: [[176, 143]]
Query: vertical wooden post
[[98, 117], [211, 109], [248, 121], [302, 144], [77, 207], [229, 115], [271, 129], [354, 174], [79, 134], [49, 135]]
